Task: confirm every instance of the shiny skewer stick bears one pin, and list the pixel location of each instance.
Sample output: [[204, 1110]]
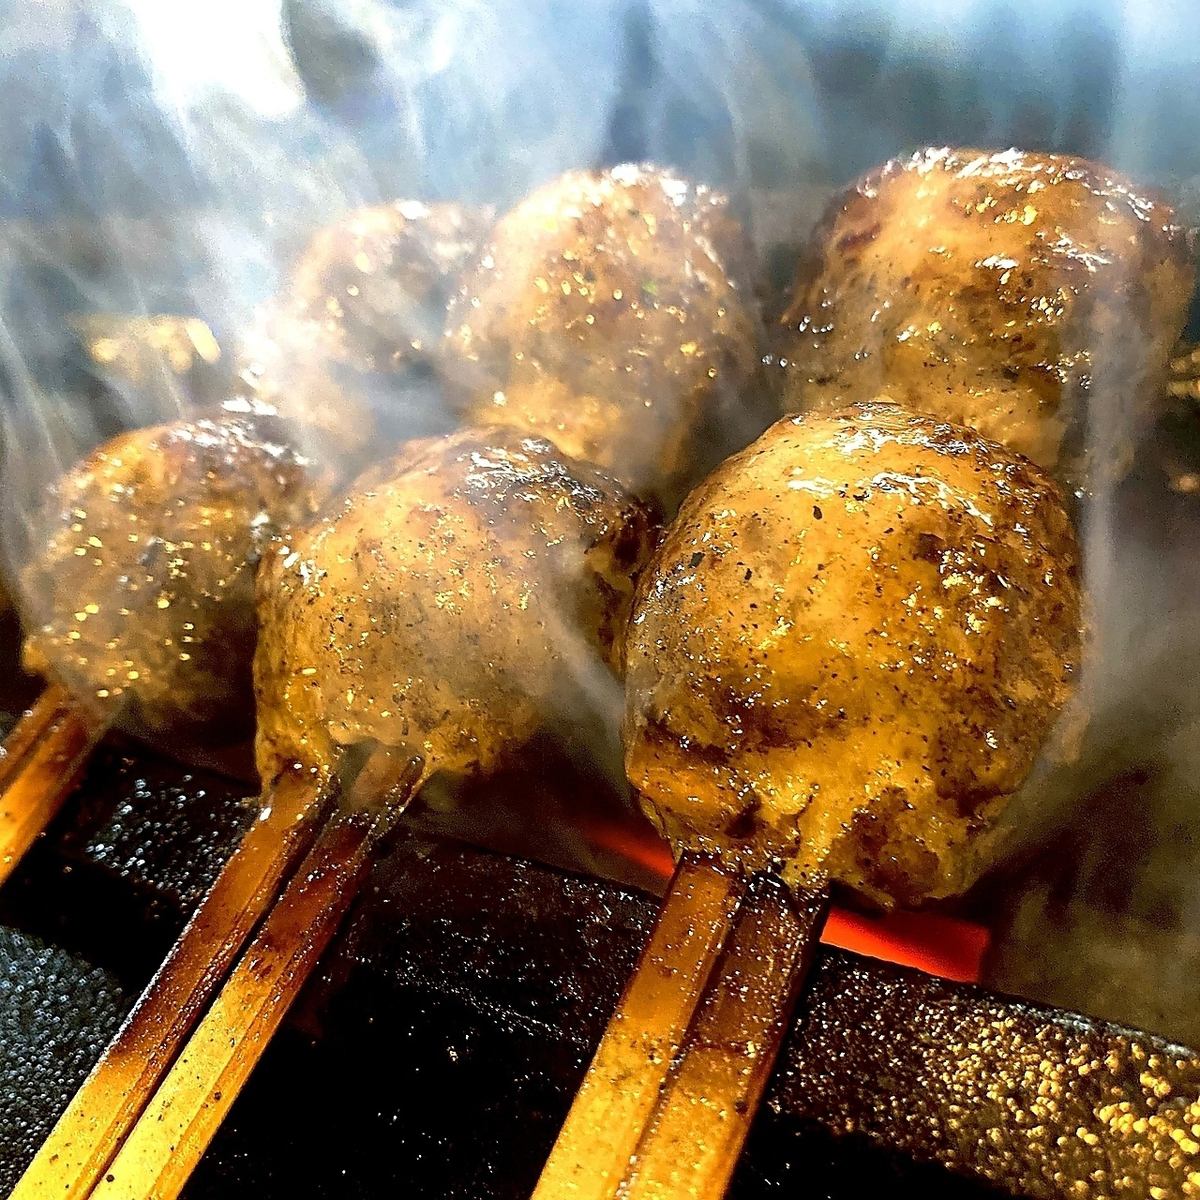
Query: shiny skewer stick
[[668, 1099], [31, 725], [174, 1130], [109, 1101], [692, 1142], [44, 756]]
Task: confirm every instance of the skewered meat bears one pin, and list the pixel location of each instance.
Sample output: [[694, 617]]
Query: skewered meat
[[371, 290], [461, 598], [848, 649], [364, 303], [140, 592], [610, 313], [1034, 297]]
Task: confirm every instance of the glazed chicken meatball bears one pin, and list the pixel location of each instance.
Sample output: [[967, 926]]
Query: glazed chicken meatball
[[848, 650], [1034, 297], [372, 288], [363, 306], [139, 595], [610, 313], [463, 596]]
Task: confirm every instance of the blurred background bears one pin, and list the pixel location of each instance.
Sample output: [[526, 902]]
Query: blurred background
[[171, 158]]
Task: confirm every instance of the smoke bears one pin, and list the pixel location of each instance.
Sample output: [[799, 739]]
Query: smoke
[[173, 158]]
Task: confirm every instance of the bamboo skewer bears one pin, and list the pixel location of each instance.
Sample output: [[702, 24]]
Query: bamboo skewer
[[621, 1088], [691, 1144], [109, 1101], [668, 1099], [44, 756], [25, 733], [180, 1120]]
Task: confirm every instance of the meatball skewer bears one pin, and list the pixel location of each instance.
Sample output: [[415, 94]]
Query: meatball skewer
[[138, 604], [841, 664], [439, 619], [371, 289], [335, 324], [342, 293]]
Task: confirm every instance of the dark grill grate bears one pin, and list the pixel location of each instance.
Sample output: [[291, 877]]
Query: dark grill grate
[[438, 1047]]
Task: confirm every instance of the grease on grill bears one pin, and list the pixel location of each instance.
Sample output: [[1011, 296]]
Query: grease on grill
[[849, 649], [56, 1010], [1034, 297], [1039, 1103]]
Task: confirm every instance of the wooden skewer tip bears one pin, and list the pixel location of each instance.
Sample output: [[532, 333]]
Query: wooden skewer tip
[[44, 757]]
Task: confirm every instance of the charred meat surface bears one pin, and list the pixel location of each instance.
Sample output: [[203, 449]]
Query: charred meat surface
[[1033, 297], [610, 313], [140, 593], [849, 648], [464, 595]]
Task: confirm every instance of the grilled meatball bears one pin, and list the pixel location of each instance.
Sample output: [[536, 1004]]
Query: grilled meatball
[[1033, 297], [140, 592], [464, 595], [364, 304], [848, 649], [610, 314], [371, 290]]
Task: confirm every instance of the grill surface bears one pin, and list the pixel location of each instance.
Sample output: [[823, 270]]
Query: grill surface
[[438, 1047]]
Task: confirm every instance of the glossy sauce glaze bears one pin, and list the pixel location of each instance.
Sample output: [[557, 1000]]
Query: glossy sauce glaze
[[140, 592], [849, 648], [344, 346], [469, 592], [371, 289], [1034, 297], [611, 313]]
